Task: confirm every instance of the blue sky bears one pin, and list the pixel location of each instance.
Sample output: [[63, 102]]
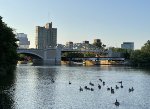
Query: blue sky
[[112, 21]]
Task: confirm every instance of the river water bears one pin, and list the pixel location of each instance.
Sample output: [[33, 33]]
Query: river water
[[47, 87]]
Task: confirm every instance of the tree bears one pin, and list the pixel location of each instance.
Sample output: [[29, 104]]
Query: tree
[[8, 47], [99, 44], [141, 57], [146, 47]]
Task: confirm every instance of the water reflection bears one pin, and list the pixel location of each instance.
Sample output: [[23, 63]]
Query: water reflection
[[6, 81], [47, 87]]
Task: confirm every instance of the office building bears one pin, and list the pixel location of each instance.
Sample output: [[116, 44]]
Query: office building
[[23, 42], [128, 45], [46, 37]]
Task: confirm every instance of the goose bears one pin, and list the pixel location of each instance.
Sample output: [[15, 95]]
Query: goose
[[108, 88], [117, 87], [99, 86], [91, 84], [120, 82], [69, 82], [87, 88], [112, 90], [117, 103], [92, 89], [121, 86], [100, 80], [103, 83], [132, 89], [81, 89]]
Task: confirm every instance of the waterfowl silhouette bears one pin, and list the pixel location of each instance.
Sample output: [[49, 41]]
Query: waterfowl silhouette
[[100, 80], [103, 83], [91, 84], [99, 86], [81, 89], [112, 91], [117, 103], [69, 82], [87, 88], [52, 81], [108, 88], [132, 89], [117, 87], [92, 89]]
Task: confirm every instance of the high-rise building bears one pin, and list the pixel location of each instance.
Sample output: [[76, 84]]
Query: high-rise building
[[46, 37], [23, 42], [128, 45]]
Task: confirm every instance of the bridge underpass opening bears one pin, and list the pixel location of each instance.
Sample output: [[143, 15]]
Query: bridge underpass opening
[[31, 58]]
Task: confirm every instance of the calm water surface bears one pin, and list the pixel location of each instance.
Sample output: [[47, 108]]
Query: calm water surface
[[33, 88]]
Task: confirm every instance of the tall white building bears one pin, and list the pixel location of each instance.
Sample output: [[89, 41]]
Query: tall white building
[[128, 45], [46, 37], [23, 42]]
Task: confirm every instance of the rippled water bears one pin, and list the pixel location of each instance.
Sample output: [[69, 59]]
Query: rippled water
[[33, 88]]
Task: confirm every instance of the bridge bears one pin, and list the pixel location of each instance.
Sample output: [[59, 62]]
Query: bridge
[[48, 56]]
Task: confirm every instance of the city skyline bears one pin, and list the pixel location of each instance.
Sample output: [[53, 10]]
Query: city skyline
[[113, 22]]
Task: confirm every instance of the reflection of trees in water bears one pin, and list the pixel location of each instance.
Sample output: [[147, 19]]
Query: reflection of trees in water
[[6, 81]]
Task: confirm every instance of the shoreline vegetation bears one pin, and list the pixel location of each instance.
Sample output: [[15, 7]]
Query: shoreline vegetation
[[8, 49]]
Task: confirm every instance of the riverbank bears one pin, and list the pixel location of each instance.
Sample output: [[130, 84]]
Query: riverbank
[[92, 63]]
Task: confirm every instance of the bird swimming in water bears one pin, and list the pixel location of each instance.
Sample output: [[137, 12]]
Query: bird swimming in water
[[69, 82], [117, 103]]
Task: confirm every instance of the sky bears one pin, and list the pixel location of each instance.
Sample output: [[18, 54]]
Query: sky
[[112, 21]]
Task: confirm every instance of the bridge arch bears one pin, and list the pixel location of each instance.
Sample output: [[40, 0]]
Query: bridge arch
[[32, 53]]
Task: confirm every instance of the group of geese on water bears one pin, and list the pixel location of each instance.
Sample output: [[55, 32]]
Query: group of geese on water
[[108, 88], [100, 86]]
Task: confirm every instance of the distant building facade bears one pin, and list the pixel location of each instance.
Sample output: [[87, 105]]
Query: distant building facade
[[128, 45], [23, 42], [85, 42], [97, 40], [46, 37], [69, 45]]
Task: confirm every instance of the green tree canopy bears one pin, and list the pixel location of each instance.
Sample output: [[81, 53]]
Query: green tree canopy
[[99, 44], [142, 57], [8, 46], [146, 47]]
